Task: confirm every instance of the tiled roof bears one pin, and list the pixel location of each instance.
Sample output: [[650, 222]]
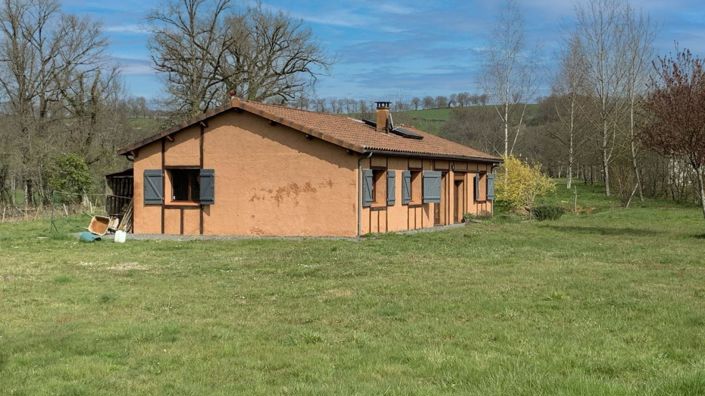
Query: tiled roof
[[340, 130]]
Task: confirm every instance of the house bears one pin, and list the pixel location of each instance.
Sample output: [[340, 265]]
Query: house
[[256, 169]]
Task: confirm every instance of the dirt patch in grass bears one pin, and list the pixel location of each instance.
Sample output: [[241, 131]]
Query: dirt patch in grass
[[338, 293], [127, 267]]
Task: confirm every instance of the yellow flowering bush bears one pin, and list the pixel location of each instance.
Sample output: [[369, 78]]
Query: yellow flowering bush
[[518, 184]]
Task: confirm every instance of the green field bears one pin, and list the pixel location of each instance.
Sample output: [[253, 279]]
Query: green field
[[434, 120], [607, 303], [429, 120]]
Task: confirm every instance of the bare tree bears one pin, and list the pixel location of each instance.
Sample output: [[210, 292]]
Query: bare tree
[[569, 88], [207, 51], [639, 52], [362, 107], [41, 51], [453, 100], [676, 107], [189, 43], [441, 102], [428, 102], [463, 99], [508, 78], [320, 105], [602, 36], [416, 102], [272, 55]]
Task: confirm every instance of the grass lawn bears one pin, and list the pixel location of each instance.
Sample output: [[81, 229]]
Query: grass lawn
[[607, 303]]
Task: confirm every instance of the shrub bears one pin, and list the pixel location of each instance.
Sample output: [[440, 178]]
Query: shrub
[[519, 184], [547, 212], [70, 178], [470, 217]]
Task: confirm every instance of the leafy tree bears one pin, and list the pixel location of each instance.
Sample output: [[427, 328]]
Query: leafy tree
[[70, 178], [676, 105], [519, 184]]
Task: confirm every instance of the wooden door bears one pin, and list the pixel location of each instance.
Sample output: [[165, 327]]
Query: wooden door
[[458, 200]]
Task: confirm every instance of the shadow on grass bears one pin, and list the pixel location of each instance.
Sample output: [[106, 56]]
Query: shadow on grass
[[603, 230], [700, 236]]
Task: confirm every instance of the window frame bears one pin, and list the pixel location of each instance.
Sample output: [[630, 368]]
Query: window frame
[[194, 195], [482, 185], [379, 188], [416, 187]]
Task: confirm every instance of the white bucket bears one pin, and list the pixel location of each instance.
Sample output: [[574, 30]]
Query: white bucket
[[120, 236]]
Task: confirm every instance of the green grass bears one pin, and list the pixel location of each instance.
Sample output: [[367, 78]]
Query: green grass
[[607, 303], [434, 120], [429, 120]]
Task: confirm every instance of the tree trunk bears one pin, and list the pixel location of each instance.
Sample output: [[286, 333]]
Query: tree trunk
[[606, 156], [13, 191], [570, 144], [701, 186], [632, 142], [506, 136], [29, 192], [506, 129]]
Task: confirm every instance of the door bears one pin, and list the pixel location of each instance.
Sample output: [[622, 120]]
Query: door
[[458, 200]]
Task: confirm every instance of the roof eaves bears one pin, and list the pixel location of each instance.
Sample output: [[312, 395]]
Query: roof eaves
[[493, 160], [246, 107], [177, 128]]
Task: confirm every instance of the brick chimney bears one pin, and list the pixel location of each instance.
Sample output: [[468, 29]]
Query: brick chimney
[[382, 118]]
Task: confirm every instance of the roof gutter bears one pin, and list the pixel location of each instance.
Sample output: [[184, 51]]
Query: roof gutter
[[436, 156]]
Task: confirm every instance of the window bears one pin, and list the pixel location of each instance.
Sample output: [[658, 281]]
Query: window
[[412, 187], [185, 185], [379, 189]]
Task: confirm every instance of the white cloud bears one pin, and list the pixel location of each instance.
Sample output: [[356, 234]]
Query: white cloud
[[134, 67], [130, 28]]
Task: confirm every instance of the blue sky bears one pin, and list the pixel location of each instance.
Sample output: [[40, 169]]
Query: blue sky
[[394, 49]]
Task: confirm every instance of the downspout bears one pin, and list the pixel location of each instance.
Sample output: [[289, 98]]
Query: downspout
[[494, 166], [359, 192]]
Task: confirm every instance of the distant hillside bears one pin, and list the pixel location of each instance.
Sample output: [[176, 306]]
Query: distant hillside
[[145, 126], [429, 120], [435, 120]]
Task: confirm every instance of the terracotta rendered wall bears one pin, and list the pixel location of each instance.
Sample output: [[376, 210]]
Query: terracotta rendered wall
[[147, 219], [400, 217], [269, 181]]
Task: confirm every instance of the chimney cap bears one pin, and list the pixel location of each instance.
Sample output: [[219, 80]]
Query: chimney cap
[[382, 105]]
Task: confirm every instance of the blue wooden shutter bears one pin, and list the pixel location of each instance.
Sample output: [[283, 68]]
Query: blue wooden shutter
[[391, 185], [153, 187], [431, 187], [405, 187], [368, 182], [490, 187], [476, 181], [207, 186]]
